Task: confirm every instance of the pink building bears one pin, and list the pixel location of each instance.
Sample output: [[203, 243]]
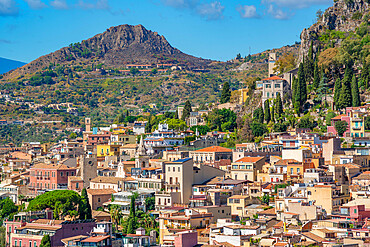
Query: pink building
[[30, 234], [356, 213], [332, 130], [186, 239], [44, 177]]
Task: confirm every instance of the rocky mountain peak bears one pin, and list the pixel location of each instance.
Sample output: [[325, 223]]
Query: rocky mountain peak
[[344, 16]]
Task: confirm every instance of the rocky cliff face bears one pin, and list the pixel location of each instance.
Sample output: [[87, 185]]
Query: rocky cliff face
[[116, 47], [344, 15]]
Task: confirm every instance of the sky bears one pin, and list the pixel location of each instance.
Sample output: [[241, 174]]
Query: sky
[[214, 29]]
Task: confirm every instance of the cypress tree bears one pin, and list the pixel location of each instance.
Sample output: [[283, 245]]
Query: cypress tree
[[337, 87], [365, 75], [226, 93], [300, 89], [279, 106], [186, 111], [345, 97], [84, 207], [267, 111], [272, 113], [316, 77], [355, 92]]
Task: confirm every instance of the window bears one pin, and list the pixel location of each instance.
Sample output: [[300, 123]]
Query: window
[[238, 208], [267, 85], [169, 169], [174, 169], [20, 242], [298, 170], [231, 201], [61, 174], [236, 200], [178, 169], [277, 85], [15, 242], [291, 171], [355, 211], [99, 199], [235, 166], [67, 174], [76, 185], [267, 94]]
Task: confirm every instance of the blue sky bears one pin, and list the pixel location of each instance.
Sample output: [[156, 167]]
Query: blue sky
[[215, 29]]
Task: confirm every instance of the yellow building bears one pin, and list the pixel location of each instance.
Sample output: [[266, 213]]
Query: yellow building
[[188, 219], [357, 126], [243, 95], [108, 150], [330, 197], [237, 204]]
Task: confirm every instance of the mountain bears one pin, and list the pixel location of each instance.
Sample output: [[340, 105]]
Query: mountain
[[8, 64], [117, 46], [335, 25]]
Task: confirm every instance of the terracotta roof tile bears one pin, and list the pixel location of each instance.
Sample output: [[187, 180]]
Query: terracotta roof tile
[[214, 149], [96, 192], [249, 159]]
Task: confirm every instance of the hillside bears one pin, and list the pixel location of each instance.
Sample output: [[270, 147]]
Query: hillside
[[346, 20], [8, 64], [115, 48]]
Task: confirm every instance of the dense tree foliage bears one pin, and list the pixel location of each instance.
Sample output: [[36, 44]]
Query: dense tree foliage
[[226, 93], [221, 120], [186, 111], [341, 127]]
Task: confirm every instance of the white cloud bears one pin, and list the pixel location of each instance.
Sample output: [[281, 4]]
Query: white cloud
[[99, 4], [181, 3], [297, 4], [212, 11], [59, 4], [247, 11], [8, 8], [277, 13], [35, 4]]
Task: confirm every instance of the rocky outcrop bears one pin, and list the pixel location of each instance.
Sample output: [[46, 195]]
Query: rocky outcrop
[[344, 15], [116, 47]]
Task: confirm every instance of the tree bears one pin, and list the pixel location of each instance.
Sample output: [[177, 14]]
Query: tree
[[186, 111], [316, 77], [238, 56], [202, 129], [272, 113], [306, 123], [258, 129], [337, 89], [84, 207], [267, 111], [134, 71], [345, 97], [355, 92], [285, 63], [300, 90], [328, 117], [45, 241], [278, 106], [150, 203], [258, 115], [226, 93], [341, 127]]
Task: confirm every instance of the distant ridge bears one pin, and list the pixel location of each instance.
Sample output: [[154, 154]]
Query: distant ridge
[[116, 47], [7, 65]]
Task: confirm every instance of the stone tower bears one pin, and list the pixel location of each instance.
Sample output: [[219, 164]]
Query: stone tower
[[272, 60], [141, 157], [88, 124], [88, 168]]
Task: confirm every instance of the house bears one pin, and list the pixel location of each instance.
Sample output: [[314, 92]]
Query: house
[[246, 168], [211, 154], [97, 197], [44, 177], [30, 234], [187, 219], [274, 85]]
